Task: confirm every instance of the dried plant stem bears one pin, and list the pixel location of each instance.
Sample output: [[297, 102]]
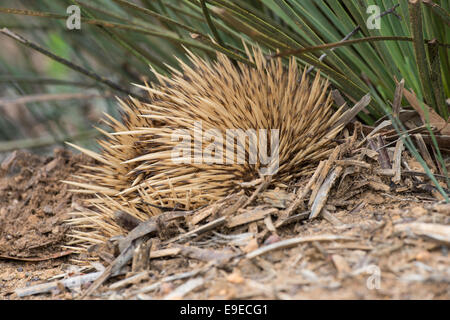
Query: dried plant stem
[[71, 65], [438, 10], [350, 42]]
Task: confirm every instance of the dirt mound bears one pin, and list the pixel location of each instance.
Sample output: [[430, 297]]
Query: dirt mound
[[34, 202]]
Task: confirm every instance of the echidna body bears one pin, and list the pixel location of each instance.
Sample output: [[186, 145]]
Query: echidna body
[[137, 165]]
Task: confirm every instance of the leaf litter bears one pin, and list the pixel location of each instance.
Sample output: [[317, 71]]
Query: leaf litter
[[360, 226]]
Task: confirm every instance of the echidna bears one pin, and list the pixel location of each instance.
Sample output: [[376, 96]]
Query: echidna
[[137, 167]]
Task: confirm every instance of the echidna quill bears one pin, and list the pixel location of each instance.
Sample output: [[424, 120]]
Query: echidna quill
[[174, 152]]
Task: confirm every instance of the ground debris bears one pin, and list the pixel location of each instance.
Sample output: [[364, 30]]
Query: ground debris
[[343, 231], [437, 232]]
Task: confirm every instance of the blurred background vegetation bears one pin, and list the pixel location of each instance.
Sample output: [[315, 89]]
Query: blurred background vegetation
[[44, 101]]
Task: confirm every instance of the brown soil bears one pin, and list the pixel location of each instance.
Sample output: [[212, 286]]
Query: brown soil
[[34, 204], [33, 208]]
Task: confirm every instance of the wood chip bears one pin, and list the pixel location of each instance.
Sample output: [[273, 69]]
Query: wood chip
[[383, 158], [350, 114], [250, 216], [144, 228], [378, 186], [292, 219], [350, 162], [235, 206], [151, 226], [169, 252], [185, 288], [326, 169], [323, 192], [141, 257], [437, 232], [295, 241], [208, 255], [424, 152], [124, 257], [202, 229], [253, 228], [372, 154], [301, 193], [204, 213], [385, 172], [397, 161], [396, 105], [269, 224], [382, 125], [130, 280], [427, 114], [48, 287]]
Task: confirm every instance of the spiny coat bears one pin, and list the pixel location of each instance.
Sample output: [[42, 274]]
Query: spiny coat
[[136, 168]]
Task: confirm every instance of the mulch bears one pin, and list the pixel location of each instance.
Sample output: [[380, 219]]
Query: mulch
[[367, 224]]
